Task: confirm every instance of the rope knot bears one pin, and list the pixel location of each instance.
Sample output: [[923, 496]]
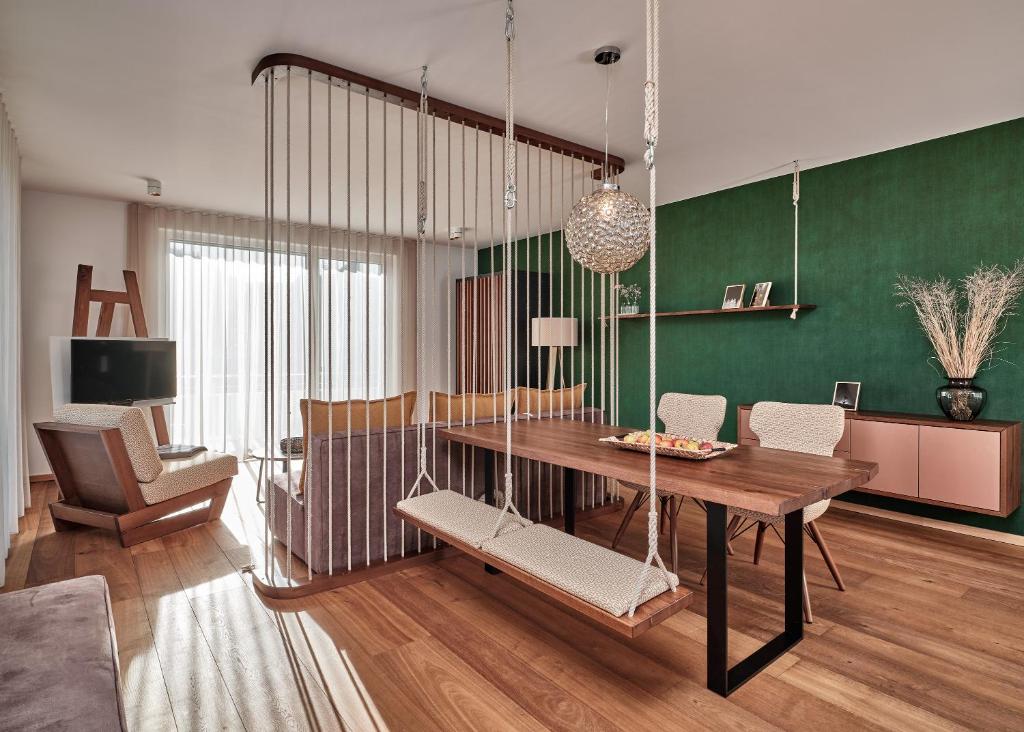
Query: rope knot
[[510, 22]]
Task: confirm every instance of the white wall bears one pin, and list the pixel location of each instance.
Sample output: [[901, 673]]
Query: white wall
[[59, 232]]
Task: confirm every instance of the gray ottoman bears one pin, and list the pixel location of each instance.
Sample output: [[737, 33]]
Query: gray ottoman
[[58, 658]]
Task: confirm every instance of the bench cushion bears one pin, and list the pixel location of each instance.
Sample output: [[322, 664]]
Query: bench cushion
[[459, 516], [58, 667], [600, 576]]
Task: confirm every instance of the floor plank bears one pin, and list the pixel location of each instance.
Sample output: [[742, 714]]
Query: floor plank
[[925, 637]]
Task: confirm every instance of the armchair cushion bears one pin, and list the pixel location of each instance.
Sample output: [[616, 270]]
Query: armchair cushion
[[134, 431], [185, 475]]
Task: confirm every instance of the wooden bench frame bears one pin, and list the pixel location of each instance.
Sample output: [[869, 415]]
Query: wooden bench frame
[[99, 488]]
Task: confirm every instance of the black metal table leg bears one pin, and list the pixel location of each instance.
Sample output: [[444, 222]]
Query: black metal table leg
[[722, 679], [570, 478], [489, 494]]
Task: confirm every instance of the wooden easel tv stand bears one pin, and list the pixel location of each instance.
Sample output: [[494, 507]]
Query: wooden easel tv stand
[[85, 295]]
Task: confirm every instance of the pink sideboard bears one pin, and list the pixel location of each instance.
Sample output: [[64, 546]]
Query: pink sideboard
[[971, 466]]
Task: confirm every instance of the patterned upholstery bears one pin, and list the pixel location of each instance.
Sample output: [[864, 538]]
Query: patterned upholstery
[[185, 475], [810, 428], [692, 415], [158, 479], [593, 573], [459, 516], [134, 431]]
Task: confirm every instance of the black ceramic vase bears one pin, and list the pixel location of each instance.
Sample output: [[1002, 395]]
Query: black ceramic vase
[[961, 400]]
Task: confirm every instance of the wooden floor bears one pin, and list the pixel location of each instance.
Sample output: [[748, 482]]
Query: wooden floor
[[927, 636]]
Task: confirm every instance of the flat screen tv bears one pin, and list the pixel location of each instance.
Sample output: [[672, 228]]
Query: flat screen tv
[[122, 370]]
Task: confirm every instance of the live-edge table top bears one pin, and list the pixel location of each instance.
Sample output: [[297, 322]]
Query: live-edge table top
[[771, 481]]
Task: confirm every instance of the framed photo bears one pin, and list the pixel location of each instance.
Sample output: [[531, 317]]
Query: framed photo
[[760, 297], [846, 395], [733, 297]]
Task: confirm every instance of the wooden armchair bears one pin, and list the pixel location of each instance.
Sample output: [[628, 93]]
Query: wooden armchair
[[110, 475]]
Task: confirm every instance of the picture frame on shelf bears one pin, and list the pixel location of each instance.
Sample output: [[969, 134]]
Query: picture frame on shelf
[[846, 395], [760, 297], [733, 297]]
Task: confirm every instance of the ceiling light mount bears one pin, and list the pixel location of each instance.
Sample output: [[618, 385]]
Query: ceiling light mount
[[607, 55]]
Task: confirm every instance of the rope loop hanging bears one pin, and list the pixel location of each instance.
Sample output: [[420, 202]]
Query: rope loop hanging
[[796, 237], [651, 140], [422, 163], [510, 138], [510, 204]]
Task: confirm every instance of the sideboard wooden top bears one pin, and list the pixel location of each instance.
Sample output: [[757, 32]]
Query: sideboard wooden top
[[929, 420]]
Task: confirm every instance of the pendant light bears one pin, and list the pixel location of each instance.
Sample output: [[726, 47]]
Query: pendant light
[[607, 230]]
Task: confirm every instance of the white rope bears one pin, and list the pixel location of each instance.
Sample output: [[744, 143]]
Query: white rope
[[421, 236], [510, 204], [651, 139], [796, 237]]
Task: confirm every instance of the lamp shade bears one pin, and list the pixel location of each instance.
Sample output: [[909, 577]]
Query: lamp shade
[[553, 332]]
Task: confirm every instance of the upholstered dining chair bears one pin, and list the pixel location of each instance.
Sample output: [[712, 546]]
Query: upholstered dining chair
[[698, 416], [810, 428]]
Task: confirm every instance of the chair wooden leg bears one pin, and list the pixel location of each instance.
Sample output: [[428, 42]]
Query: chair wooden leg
[[673, 530], [808, 615], [217, 504], [762, 527], [664, 512], [637, 500], [826, 555], [733, 525]]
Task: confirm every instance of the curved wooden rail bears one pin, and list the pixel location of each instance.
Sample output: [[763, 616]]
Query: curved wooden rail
[[438, 107]]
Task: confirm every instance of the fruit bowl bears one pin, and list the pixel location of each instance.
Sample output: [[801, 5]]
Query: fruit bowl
[[670, 445]]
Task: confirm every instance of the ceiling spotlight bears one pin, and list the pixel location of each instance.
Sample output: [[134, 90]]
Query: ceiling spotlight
[[153, 187]]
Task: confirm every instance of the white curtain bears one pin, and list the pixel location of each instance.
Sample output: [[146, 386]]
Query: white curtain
[[14, 487], [203, 278]]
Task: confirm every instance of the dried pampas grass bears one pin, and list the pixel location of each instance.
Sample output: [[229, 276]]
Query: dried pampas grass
[[963, 326]]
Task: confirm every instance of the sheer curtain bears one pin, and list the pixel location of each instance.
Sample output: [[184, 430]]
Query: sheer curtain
[[14, 487], [203, 278]]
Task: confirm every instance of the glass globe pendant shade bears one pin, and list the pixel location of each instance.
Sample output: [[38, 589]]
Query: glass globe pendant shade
[[607, 230]]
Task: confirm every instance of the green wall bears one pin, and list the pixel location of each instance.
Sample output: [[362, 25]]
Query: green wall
[[938, 208]]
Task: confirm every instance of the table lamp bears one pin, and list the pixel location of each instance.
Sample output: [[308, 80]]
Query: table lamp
[[555, 333]]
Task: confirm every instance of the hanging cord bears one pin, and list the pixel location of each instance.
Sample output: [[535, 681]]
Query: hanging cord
[[421, 237], [510, 204], [605, 173], [651, 140], [796, 238]]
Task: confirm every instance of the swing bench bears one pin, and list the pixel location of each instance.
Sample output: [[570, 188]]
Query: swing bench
[[582, 578], [620, 593]]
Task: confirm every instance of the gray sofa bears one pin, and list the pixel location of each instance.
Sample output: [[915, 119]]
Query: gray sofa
[[58, 658], [358, 510]]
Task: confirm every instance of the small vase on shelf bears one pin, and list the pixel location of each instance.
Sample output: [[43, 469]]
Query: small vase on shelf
[[961, 399], [629, 309]]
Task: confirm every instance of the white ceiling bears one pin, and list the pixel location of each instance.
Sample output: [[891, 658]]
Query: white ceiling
[[107, 92]]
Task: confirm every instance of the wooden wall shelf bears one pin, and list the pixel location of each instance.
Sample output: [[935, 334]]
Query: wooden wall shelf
[[718, 311]]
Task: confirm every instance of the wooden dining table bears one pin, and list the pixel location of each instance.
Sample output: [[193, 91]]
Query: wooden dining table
[[774, 482]]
